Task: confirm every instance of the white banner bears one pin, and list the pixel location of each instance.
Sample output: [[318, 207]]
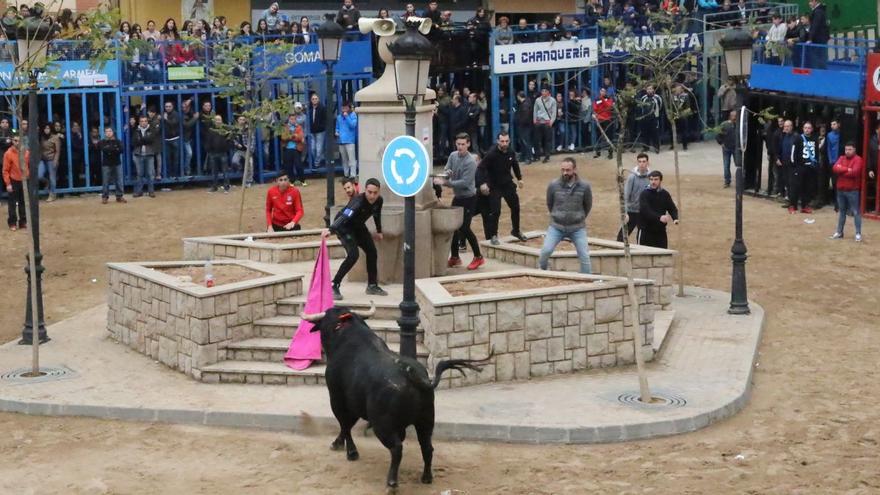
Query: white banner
[[554, 55]]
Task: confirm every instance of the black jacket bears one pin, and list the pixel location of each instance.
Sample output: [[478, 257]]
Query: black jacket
[[458, 119], [189, 123], [654, 203], [216, 141], [524, 112], [171, 124], [819, 25], [148, 140], [356, 213], [498, 166], [473, 117], [317, 118], [110, 152]]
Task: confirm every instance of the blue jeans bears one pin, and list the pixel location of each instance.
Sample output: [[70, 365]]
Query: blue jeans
[[52, 167], [187, 157], [578, 238], [116, 174], [848, 201], [726, 155], [144, 166], [316, 149], [571, 132]]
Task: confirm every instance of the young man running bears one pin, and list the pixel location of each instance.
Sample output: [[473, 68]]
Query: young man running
[[461, 169], [350, 227]]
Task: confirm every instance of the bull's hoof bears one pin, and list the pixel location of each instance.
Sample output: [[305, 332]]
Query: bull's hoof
[[427, 478], [353, 456], [391, 489], [337, 445]]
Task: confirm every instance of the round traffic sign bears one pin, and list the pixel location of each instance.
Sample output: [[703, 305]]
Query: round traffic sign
[[405, 166]]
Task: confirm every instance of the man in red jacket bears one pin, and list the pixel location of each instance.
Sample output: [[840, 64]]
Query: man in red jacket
[[848, 170], [284, 207], [12, 178]]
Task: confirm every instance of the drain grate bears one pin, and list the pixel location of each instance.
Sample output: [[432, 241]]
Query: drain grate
[[659, 400], [50, 374]]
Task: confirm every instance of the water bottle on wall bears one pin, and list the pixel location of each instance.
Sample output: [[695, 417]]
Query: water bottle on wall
[[209, 274]]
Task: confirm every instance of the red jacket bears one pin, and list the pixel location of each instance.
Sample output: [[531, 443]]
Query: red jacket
[[283, 207], [849, 173], [602, 109], [11, 170]]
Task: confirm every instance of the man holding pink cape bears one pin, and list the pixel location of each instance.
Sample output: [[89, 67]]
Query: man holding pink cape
[[306, 345]]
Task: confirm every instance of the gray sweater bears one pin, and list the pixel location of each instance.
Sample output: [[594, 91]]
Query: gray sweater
[[633, 188], [462, 171], [569, 204], [544, 110]]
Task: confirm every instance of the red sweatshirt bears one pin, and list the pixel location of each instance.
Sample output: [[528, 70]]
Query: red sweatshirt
[[283, 207], [849, 173]]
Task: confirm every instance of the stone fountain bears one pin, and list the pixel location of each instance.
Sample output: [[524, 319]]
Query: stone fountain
[[380, 119]]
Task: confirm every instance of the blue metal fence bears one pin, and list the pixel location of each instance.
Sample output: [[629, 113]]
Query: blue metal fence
[[90, 98]]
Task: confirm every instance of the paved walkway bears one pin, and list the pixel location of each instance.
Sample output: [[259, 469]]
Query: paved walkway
[[703, 372]]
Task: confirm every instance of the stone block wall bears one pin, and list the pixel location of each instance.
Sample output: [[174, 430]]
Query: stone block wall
[[184, 331], [206, 248], [537, 335], [657, 265]]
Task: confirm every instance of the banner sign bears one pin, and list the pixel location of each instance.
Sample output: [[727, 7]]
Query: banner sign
[[186, 73], [544, 56], [67, 74], [305, 60], [617, 46]]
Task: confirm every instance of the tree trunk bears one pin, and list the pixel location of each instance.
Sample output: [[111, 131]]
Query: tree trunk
[[638, 341], [247, 172]]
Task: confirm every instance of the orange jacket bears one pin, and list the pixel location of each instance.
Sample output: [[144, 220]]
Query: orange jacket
[[11, 169]]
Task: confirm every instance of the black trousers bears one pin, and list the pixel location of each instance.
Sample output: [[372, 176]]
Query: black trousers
[[484, 208], [650, 133], [358, 237], [630, 225], [653, 238], [827, 185], [543, 139], [782, 172], [801, 183], [16, 196], [469, 205], [280, 228], [771, 173], [510, 196]]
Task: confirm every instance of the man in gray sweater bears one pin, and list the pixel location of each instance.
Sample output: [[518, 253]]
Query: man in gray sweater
[[544, 116], [461, 170], [635, 184], [569, 200]]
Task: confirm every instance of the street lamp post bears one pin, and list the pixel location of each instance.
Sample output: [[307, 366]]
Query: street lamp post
[[738, 49], [32, 36], [412, 54], [330, 35]]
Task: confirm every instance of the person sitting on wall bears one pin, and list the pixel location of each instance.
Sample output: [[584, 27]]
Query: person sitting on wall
[[284, 208]]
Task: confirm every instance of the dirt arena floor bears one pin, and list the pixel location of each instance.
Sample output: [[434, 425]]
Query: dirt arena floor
[[811, 425]]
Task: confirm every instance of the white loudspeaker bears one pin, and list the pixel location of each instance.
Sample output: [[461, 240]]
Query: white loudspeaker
[[424, 23], [381, 27]]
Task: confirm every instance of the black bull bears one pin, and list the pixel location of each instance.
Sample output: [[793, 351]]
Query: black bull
[[366, 380]]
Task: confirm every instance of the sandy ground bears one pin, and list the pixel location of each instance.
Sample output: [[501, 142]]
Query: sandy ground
[[811, 426]]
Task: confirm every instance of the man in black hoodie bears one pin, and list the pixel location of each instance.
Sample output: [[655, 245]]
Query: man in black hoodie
[[524, 126], [499, 162], [217, 146], [818, 35], [656, 211]]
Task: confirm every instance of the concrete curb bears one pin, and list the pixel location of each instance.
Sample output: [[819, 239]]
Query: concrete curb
[[304, 423]]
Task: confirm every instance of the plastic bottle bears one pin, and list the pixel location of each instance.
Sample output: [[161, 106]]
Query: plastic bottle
[[209, 274]]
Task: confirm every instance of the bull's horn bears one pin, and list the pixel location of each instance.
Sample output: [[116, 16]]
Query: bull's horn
[[313, 318], [366, 314]]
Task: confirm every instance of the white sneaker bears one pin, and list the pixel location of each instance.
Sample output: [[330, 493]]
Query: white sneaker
[[559, 148], [571, 147], [858, 237], [837, 235]]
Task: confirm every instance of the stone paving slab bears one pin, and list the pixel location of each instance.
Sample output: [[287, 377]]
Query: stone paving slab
[[704, 370]]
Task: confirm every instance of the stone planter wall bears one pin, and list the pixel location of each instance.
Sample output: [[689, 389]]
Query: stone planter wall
[[534, 332], [606, 258], [234, 247], [187, 326]]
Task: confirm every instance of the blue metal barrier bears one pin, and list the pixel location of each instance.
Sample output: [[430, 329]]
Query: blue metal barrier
[[122, 89]]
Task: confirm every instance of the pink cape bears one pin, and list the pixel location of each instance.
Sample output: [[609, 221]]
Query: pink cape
[[306, 345]]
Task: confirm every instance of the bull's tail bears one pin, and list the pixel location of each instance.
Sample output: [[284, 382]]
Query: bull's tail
[[459, 365]]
